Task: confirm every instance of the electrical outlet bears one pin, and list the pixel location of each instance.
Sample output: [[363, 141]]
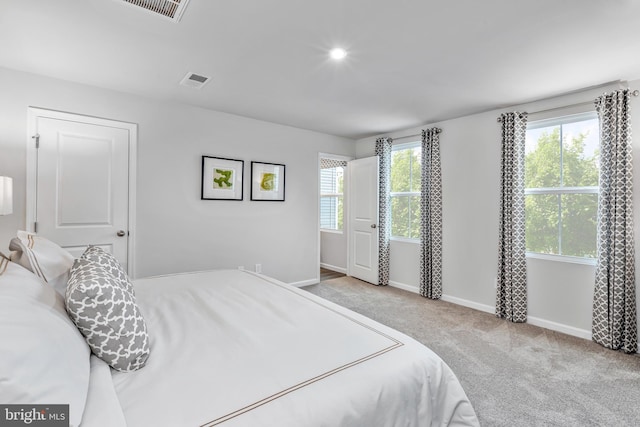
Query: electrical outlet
[[241, 267], [258, 268]]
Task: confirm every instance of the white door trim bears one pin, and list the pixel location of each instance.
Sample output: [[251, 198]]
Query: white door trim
[[345, 199], [32, 116]]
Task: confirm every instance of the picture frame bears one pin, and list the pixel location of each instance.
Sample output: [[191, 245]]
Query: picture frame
[[267, 182], [222, 179]]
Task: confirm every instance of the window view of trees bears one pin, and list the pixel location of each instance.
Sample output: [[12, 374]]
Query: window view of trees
[[405, 192], [561, 181]]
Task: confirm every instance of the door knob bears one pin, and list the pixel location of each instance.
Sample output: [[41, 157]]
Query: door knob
[[121, 233], [373, 226]]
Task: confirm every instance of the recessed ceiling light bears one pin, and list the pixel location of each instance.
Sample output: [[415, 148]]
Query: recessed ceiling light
[[338, 53]]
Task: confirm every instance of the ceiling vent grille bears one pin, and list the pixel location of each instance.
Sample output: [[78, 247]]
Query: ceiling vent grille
[[194, 80], [172, 9]]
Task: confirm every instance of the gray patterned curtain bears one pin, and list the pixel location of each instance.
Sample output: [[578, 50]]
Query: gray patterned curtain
[[511, 295], [431, 216], [614, 301], [383, 151]]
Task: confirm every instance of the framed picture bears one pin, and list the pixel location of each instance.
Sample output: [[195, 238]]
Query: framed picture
[[267, 182], [221, 178]]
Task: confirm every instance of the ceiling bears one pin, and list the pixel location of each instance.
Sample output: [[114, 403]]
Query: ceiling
[[409, 63]]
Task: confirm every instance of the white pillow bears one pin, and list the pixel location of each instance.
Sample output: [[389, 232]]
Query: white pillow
[[44, 359], [42, 257]]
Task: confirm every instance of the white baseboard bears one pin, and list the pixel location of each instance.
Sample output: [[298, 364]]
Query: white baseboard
[[305, 282], [404, 287], [559, 327], [333, 268], [470, 304], [536, 321], [454, 300]]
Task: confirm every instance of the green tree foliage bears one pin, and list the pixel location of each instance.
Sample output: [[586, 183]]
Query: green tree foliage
[[574, 215], [405, 177]]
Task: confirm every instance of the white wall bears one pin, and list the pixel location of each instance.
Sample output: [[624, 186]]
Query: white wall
[[333, 250], [560, 294], [176, 231]]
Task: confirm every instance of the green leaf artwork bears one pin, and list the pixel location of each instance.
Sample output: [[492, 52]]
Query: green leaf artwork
[[223, 178], [268, 181]]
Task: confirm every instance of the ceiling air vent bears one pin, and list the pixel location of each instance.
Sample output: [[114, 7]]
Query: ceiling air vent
[[171, 9], [194, 80]]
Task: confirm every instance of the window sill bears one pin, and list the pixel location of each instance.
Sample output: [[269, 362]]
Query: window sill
[[405, 240], [562, 258]]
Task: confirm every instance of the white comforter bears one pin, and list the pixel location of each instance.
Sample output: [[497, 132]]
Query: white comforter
[[233, 348]]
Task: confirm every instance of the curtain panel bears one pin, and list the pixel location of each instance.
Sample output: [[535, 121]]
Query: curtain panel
[[614, 323], [383, 151], [431, 216], [511, 295]]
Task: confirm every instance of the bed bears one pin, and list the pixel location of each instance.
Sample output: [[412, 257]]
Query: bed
[[228, 348]]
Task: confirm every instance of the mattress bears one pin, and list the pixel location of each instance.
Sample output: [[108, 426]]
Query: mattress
[[234, 348]]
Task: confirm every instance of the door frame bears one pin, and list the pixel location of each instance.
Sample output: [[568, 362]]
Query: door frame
[[345, 199], [33, 113]]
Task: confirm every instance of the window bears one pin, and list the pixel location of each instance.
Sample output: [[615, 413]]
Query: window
[[331, 193], [561, 185], [405, 190]]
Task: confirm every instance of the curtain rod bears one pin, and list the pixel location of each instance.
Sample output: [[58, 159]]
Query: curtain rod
[[412, 136], [634, 93], [406, 136]]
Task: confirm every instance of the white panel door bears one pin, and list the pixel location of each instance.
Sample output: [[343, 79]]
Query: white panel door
[[363, 219], [82, 184]]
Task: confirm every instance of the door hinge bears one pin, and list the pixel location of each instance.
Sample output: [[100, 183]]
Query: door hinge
[[37, 138], [35, 227]]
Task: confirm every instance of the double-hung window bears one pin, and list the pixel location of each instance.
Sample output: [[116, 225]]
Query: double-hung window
[[561, 186], [405, 190], [332, 193]]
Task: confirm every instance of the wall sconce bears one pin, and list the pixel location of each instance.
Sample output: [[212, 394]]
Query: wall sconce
[[6, 195]]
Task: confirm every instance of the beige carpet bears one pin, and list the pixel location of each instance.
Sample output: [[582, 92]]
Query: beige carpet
[[514, 374]]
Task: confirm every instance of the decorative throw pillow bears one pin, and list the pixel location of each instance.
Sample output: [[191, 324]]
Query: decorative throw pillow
[[42, 257], [109, 263], [107, 315], [44, 359]]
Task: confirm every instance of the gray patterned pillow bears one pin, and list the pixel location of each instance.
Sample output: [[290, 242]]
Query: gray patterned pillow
[[107, 315], [108, 262]]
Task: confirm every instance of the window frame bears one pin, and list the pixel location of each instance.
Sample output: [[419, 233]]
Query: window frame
[[560, 119], [338, 196], [399, 147]]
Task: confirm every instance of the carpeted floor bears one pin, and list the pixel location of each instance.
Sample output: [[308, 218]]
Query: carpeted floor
[[329, 274], [514, 374]]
